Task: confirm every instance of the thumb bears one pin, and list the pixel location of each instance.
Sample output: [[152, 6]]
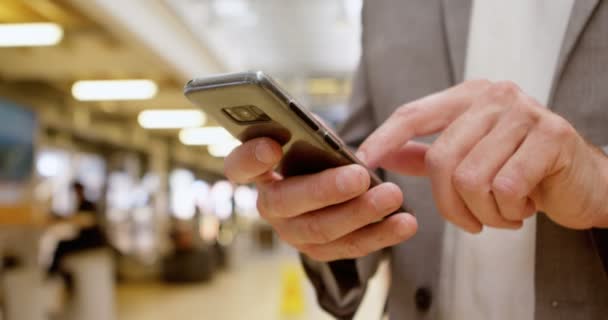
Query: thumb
[[407, 160]]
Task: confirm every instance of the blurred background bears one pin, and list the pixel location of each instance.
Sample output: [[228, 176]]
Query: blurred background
[[110, 205]]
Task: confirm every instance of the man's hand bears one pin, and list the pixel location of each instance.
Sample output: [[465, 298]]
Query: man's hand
[[500, 158], [329, 215]]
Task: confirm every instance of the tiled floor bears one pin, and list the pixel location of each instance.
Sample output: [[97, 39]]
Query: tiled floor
[[250, 290]]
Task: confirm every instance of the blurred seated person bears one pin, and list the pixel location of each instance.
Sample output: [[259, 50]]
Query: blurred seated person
[[89, 234]]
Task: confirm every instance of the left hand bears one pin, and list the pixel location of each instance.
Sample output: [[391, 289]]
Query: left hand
[[500, 158]]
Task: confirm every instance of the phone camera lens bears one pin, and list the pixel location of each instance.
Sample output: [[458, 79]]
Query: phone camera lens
[[246, 114]]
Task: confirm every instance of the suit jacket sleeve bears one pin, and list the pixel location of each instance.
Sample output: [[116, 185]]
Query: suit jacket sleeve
[[600, 238], [340, 285]]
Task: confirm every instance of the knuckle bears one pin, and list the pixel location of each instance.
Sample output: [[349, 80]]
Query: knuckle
[[353, 249], [316, 233], [526, 114], [368, 211], [507, 188], [277, 203], [380, 201], [532, 105], [504, 89], [407, 110], [273, 200], [558, 128], [434, 159], [326, 190], [467, 180], [261, 205], [319, 190], [522, 105], [478, 83]]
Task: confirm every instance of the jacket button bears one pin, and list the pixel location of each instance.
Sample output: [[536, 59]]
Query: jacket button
[[423, 299]]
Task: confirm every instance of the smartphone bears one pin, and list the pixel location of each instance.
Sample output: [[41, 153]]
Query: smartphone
[[251, 105]]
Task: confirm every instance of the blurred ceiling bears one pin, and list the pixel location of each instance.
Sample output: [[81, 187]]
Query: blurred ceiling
[[14, 11], [311, 46], [303, 38], [89, 50]]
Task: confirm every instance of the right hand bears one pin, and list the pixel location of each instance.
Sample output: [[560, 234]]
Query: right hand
[[329, 215]]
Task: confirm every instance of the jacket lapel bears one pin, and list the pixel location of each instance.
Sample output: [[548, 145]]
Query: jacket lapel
[[582, 11], [456, 17]]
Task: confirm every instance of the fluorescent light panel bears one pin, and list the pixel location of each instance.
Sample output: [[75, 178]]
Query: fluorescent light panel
[[30, 34], [171, 119], [205, 136], [112, 90], [222, 150]]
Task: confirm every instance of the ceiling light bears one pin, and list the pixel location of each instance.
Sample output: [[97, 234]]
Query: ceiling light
[[222, 150], [171, 119], [30, 34], [104, 90], [205, 136]]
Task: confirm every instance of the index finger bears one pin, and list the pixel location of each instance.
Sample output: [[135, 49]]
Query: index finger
[[426, 116]]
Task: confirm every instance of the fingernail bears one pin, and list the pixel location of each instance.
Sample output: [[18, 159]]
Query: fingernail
[[264, 152], [348, 181], [383, 201]]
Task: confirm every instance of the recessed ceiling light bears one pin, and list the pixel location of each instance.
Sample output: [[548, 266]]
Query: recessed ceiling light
[[206, 136], [30, 34], [171, 119], [222, 150], [112, 90]]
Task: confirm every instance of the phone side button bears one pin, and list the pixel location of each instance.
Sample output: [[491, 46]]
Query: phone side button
[[311, 123], [331, 141]]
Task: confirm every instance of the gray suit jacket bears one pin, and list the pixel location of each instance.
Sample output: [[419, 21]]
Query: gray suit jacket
[[412, 48]]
